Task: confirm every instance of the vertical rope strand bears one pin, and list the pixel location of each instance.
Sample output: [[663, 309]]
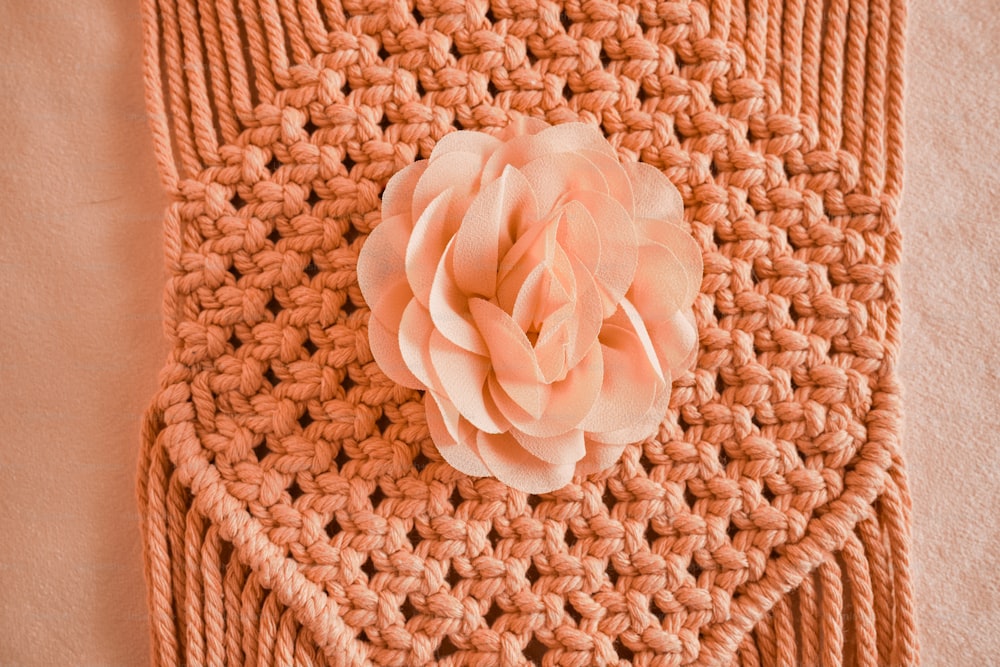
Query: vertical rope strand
[[284, 645], [831, 76], [267, 635], [156, 110], [234, 38], [791, 57], [785, 644], [738, 28], [163, 623], [222, 96], [773, 64], [831, 610], [295, 33], [214, 596], [234, 581], [896, 516], [749, 656], [333, 12], [202, 116], [249, 18], [756, 40], [872, 538], [862, 599], [812, 46], [172, 250], [853, 113], [764, 632], [252, 599], [180, 109], [193, 600], [894, 100], [808, 621], [277, 40], [873, 162], [177, 508], [305, 651], [312, 26], [720, 19]]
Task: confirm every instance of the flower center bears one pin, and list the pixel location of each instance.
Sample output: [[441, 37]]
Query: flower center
[[535, 279]]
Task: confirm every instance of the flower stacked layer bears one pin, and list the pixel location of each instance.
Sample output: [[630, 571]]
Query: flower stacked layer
[[540, 291]]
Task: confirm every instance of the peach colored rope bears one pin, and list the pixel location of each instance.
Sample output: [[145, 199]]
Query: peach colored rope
[[293, 510]]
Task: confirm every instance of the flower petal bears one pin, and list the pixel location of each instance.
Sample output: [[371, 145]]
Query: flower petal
[[415, 330], [509, 407], [600, 456], [442, 176], [522, 125], [628, 318], [516, 467], [618, 254], [426, 246], [578, 234], [554, 141], [560, 449], [571, 399], [488, 231], [684, 248], [552, 346], [552, 176], [568, 401], [511, 356], [528, 299], [567, 137], [619, 183], [456, 440], [381, 264], [449, 308], [675, 341], [660, 284], [559, 286], [569, 333], [525, 257], [478, 144], [384, 338], [462, 379], [655, 196], [587, 314], [384, 345], [642, 427], [630, 382], [397, 198]]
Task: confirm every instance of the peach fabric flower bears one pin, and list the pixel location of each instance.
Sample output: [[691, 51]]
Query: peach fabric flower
[[540, 291]]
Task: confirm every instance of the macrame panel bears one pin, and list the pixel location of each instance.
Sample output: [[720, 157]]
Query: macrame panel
[[295, 510]]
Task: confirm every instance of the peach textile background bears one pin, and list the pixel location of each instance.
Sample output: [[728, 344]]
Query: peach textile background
[[81, 274]]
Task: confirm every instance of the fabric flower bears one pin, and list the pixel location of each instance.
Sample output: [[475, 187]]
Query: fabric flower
[[540, 291]]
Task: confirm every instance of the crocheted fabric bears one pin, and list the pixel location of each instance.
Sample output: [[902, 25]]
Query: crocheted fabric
[[295, 510]]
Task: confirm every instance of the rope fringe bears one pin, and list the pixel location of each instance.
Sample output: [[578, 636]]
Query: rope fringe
[[211, 609], [214, 62], [865, 612]]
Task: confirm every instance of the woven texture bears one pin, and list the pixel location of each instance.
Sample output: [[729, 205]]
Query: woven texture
[[295, 510]]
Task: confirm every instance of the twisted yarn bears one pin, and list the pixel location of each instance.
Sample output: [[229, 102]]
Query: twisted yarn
[[294, 509]]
